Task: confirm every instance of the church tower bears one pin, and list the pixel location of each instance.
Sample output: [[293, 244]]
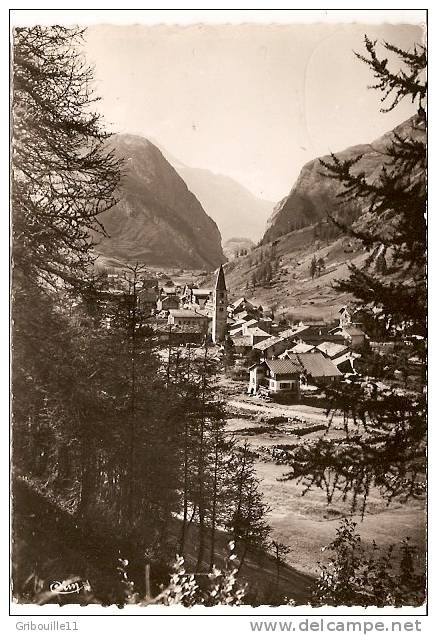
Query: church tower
[[220, 306]]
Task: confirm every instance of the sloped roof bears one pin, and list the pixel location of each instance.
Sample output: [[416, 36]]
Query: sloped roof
[[316, 365], [169, 298], [201, 292], [301, 347], [243, 340], [284, 366], [241, 301], [262, 346], [257, 332], [331, 349], [236, 331], [344, 358], [294, 330], [275, 339], [349, 329], [236, 323], [249, 322], [185, 313]]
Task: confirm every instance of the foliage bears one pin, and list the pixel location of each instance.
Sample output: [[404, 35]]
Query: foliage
[[247, 511], [220, 586], [63, 176], [384, 428], [355, 576], [90, 417], [267, 262], [228, 354]]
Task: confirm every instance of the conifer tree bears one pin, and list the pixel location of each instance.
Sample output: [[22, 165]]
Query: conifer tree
[[384, 441], [62, 179], [63, 175]]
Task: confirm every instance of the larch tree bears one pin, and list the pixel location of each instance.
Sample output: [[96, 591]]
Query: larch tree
[[62, 179], [63, 176], [384, 442], [385, 428]]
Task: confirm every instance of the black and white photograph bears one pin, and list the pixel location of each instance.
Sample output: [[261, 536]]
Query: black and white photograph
[[218, 313]]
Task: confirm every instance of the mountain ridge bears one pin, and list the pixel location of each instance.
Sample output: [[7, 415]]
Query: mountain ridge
[[158, 220], [235, 209], [292, 289], [313, 195]]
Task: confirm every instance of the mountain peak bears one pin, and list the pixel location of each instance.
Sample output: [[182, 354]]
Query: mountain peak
[[157, 221], [314, 196]]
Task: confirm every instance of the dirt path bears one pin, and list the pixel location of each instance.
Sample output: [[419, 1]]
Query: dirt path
[[309, 413]]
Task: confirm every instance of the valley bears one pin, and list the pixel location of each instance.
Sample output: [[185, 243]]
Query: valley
[[306, 523]]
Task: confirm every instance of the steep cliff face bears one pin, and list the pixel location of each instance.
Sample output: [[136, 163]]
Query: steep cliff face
[[313, 195], [157, 221], [234, 208], [294, 239], [236, 211]]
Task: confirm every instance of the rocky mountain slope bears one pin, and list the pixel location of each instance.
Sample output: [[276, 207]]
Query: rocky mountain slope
[[294, 238], [234, 208], [234, 246], [158, 220], [314, 195]]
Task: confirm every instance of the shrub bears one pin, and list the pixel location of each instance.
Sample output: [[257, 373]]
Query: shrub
[[356, 577]]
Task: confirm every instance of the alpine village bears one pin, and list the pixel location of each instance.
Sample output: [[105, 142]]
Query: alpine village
[[202, 417]]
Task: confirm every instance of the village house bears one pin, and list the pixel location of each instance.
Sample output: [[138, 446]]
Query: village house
[[348, 330], [275, 345], [242, 305], [300, 347], [332, 349], [167, 303], [318, 369], [282, 375], [271, 347], [345, 363], [351, 334], [185, 317], [176, 335], [147, 300], [276, 376], [169, 288], [242, 344], [256, 334], [200, 296]]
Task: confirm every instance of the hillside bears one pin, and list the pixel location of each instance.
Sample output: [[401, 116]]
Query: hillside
[[298, 232], [233, 246], [292, 291], [157, 221], [234, 208], [313, 195]]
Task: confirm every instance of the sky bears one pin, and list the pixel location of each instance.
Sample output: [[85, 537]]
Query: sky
[[252, 101]]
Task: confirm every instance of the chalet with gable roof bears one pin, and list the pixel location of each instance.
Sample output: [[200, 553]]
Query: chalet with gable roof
[[280, 375], [275, 376]]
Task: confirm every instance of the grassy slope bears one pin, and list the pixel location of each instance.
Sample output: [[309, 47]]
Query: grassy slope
[[307, 523], [292, 290], [48, 544]]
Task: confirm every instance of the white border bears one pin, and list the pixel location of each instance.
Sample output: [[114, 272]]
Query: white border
[[175, 15]]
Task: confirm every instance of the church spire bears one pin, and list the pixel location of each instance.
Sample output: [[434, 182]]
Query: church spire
[[220, 284], [220, 302]]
